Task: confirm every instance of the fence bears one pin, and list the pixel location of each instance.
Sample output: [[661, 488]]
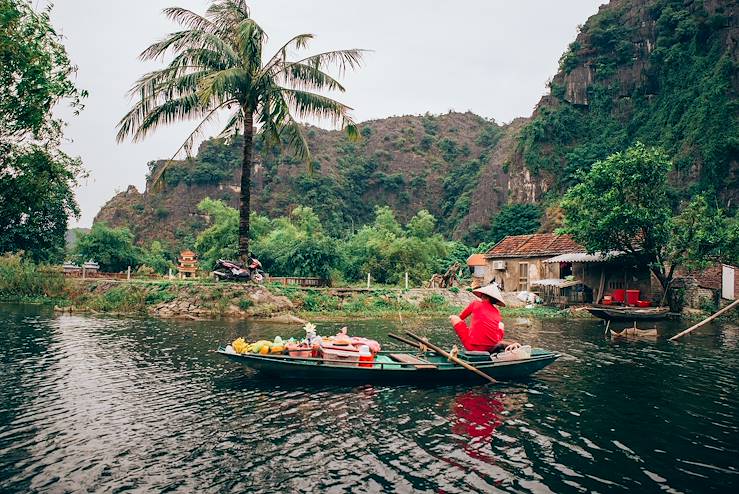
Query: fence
[[300, 281]]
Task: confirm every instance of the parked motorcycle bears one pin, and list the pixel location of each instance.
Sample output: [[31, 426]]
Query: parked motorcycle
[[234, 271]]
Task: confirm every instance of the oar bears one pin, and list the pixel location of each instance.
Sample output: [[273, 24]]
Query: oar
[[405, 340], [451, 357]]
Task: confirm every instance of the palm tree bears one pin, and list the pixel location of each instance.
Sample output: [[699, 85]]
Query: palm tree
[[217, 65]]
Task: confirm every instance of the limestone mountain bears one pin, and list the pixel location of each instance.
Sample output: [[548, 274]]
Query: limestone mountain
[[660, 71]]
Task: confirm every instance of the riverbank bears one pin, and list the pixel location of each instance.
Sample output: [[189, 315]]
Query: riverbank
[[204, 299]]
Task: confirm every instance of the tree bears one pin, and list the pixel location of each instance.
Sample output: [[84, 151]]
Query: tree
[[36, 178], [217, 65], [112, 248], [158, 258], [515, 219], [622, 204]]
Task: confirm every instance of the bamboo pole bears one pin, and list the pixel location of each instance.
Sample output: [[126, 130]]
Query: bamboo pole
[[451, 357], [704, 321]]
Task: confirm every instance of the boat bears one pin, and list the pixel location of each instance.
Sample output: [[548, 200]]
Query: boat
[[629, 313], [392, 367]]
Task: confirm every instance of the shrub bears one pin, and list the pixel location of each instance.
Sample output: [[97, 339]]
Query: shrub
[[21, 278]]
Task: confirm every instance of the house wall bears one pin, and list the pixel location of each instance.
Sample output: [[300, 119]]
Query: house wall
[[509, 278]]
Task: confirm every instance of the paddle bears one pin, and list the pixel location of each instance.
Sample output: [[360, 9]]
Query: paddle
[[451, 357], [405, 340]]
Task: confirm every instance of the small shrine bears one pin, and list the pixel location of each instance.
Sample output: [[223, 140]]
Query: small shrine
[[188, 264]]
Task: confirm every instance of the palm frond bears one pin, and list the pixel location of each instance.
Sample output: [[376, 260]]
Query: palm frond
[[342, 59], [280, 57], [187, 144], [313, 105], [188, 18], [221, 83], [308, 77]]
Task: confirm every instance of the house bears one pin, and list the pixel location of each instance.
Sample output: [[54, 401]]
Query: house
[[518, 260], [560, 270]]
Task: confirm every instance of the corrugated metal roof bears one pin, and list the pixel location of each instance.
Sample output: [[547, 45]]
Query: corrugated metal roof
[[584, 257], [535, 245], [559, 283]]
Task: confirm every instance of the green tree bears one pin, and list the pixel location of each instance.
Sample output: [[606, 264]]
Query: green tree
[[221, 239], [112, 248], [218, 64], [36, 178], [515, 219], [623, 204], [158, 258]]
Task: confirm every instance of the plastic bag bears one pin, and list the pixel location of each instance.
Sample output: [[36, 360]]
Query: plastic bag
[[514, 351]]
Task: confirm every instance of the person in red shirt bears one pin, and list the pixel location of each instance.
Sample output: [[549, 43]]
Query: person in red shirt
[[486, 330]]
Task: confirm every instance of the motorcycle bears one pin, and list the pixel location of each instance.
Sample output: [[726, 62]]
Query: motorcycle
[[233, 271]]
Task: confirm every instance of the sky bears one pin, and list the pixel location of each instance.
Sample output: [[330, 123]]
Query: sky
[[492, 57]]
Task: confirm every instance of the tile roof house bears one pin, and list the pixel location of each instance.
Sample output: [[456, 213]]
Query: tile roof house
[[528, 262]]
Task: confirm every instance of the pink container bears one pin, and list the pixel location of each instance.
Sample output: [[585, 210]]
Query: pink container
[[298, 351], [632, 297], [343, 355]]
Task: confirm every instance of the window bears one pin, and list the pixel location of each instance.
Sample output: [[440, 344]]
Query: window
[[480, 271], [523, 276]]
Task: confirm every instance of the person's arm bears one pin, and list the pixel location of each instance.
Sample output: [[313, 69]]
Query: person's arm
[[467, 311]]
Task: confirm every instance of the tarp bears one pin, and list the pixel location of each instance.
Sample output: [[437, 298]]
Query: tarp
[[556, 282]]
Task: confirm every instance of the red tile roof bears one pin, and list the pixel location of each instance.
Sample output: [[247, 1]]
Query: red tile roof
[[476, 260], [535, 245]]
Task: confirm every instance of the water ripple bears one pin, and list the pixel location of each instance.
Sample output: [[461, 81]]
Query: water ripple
[[109, 405]]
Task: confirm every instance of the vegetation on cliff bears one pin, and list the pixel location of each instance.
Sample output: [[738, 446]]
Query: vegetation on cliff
[[662, 72]]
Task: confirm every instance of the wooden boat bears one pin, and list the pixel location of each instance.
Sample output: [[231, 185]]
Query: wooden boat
[[392, 367], [629, 313]]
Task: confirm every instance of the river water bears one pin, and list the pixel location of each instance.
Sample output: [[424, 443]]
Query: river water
[[110, 404]]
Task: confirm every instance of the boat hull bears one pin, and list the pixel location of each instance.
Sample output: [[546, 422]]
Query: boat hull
[[316, 370], [627, 314]]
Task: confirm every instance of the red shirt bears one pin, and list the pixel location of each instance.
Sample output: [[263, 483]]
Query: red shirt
[[485, 327]]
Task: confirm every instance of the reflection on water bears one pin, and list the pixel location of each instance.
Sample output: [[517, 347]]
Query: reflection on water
[[106, 404]]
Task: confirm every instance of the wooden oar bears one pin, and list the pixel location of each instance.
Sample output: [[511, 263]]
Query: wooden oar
[[451, 357], [405, 340]]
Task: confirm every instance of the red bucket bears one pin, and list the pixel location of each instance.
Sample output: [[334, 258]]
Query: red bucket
[[619, 295], [632, 297]]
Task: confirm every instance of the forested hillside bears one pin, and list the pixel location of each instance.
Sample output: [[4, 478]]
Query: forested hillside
[[663, 72], [409, 163]]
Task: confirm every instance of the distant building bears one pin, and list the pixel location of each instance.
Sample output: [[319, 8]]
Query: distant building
[[187, 264], [560, 270]]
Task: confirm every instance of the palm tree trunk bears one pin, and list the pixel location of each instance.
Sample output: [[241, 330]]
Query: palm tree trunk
[[245, 197]]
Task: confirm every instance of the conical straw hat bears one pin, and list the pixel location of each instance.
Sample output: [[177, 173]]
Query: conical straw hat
[[491, 290]]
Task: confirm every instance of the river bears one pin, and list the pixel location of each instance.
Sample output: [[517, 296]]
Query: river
[[104, 404]]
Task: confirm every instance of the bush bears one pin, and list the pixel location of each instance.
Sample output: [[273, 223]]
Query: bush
[[21, 278]]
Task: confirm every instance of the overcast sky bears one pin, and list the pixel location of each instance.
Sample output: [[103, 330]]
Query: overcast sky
[[492, 57]]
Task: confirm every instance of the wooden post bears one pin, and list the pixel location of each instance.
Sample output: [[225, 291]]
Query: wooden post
[[406, 280], [84, 272], [170, 273], [368, 280], [704, 321], [601, 285], [128, 274]]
